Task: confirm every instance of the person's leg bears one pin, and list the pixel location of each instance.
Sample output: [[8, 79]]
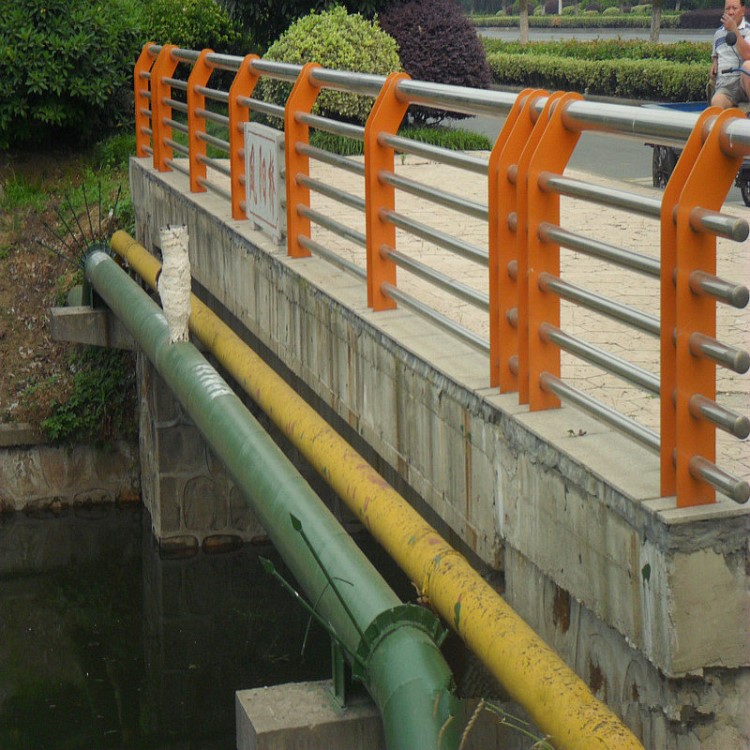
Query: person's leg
[[721, 99], [745, 80]]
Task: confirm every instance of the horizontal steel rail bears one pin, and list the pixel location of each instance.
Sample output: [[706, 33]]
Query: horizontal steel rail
[[461, 291], [439, 197], [614, 254], [603, 305], [516, 253], [459, 247], [353, 201], [603, 359], [342, 162], [436, 153], [564, 391], [425, 311]]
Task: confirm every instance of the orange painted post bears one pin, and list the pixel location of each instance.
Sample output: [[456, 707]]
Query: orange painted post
[[142, 106], [196, 101], [301, 99], [164, 67], [243, 85], [497, 212], [552, 154], [506, 166], [385, 117], [707, 186], [522, 245], [668, 299]]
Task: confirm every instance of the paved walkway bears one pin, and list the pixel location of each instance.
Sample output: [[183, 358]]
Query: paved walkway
[[627, 230]]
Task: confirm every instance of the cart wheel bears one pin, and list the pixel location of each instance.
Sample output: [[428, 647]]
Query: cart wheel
[[663, 162], [745, 190]]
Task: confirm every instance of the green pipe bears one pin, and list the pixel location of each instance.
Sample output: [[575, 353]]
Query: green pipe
[[397, 658]]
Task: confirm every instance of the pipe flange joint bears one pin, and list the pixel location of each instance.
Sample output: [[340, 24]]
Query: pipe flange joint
[[386, 623]]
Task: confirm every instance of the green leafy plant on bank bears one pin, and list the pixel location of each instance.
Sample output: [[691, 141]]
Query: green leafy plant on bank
[[101, 404]]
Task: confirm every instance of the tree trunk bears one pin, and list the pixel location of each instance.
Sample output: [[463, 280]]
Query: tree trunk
[[655, 20], [524, 35]]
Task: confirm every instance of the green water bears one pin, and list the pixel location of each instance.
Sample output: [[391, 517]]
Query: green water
[[105, 644]]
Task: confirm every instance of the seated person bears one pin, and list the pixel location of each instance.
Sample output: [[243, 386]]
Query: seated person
[[731, 88]]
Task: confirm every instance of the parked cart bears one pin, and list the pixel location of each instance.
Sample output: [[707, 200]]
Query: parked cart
[[664, 158]]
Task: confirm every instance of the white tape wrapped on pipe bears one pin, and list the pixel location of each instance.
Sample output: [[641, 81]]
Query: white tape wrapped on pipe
[[174, 281]]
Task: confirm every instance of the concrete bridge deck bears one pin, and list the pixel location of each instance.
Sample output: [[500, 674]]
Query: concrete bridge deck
[[647, 602]]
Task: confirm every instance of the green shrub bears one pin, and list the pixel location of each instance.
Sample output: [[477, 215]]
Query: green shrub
[[658, 80], [101, 405], [337, 40], [641, 9], [608, 49], [611, 11], [438, 44], [66, 68], [630, 21], [569, 10], [192, 24]]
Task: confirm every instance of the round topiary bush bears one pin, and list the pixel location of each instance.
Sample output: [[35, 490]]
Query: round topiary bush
[[66, 68], [437, 43], [338, 40], [192, 24]]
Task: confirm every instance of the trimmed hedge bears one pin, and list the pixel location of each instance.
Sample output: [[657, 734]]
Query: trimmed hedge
[[636, 79], [579, 22], [607, 49]]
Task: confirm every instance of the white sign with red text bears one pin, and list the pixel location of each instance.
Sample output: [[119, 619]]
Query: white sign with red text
[[264, 188]]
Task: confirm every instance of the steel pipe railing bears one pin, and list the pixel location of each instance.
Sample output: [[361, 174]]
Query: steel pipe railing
[[605, 360], [525, 233], [430, 313], [603, 305], [436, 153], [459, 247], [439, 197], [644, 264], [647, 438], [441, 280]]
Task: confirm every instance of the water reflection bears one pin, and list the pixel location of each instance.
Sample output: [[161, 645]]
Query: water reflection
[[104, 644]]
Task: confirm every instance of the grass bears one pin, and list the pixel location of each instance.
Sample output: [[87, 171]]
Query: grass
[[23, 194]]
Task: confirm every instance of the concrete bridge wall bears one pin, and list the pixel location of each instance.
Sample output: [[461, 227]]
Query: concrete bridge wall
[[650, 604]]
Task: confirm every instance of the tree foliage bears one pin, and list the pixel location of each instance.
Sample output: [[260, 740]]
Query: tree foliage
[[338, 40], [268, 19], [437, 43], [192, 24], [65, 66]]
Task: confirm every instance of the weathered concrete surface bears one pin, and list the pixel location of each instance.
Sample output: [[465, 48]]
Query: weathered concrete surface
[[555, 490], [188, 494], [38, 476], [82, 325], [304, 716]]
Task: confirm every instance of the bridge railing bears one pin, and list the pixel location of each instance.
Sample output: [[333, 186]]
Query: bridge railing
[[521, 261]]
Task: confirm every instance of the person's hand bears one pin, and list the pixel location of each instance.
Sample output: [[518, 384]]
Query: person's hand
[[728, 23]]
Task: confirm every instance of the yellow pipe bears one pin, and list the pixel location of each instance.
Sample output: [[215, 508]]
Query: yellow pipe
[[557, 700]]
